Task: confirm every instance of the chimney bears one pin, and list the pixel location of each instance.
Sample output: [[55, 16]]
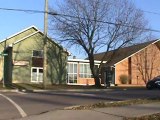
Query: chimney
[[74, 57]]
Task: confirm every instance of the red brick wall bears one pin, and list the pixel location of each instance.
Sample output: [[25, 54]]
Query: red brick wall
[[85, 81], [121, 69], [149, 57]]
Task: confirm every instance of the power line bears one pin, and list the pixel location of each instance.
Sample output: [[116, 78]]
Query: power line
[[54, 13], [107, 22], [22, 10], [39, 11], [151, 12], [25, 10]]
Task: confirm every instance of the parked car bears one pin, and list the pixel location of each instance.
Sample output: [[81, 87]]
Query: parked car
[[154, 83]]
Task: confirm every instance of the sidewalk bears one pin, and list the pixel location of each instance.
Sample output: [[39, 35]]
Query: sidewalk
[[112, 113]]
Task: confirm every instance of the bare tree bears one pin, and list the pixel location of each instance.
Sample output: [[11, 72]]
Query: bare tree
[[96, 25], [146, 63]]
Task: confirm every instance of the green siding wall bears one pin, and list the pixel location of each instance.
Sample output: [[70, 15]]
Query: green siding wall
[[22, 51], [17, 37], [56, 59], [21, 74]]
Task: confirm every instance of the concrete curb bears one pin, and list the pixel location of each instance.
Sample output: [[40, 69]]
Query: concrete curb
[[61, 90], [69, 90], [14, 90], [74, 90]]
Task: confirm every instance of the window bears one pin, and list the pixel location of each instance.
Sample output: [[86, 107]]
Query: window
[[72, 72], [37, 74], [40, 70], [85, 71], [37, 53], [34, 70]]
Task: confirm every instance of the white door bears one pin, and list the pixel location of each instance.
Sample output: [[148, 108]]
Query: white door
[[40, 75], [37, 75]]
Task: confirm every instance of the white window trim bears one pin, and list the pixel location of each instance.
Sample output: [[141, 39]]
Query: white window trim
[[72, 73], [37, 75], [90, 74], [78, 68]]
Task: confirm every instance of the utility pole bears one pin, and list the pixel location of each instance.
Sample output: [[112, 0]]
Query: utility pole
[[45, 44], [2, 54]]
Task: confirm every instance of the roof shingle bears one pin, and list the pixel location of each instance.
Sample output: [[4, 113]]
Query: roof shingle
[[116, 56]]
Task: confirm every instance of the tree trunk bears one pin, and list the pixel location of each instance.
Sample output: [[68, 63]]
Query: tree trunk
[[94, 72], [97, 81]]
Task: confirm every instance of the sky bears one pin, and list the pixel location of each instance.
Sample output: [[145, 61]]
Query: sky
[[150, 6], [12, 22]]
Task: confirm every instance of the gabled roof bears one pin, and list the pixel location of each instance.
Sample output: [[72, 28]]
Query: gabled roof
[[18, 34], [34, 33], [24, 34], [122, 53]]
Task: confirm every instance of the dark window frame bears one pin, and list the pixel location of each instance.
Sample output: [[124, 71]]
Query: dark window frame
[[37, 53]]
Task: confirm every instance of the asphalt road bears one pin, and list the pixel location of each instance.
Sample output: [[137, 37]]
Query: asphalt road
[[18, 104]]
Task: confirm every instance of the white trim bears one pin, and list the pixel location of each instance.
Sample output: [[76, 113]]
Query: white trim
[[78, 84], [25, 38], [137, 52], [115, 75], [83, 73], [78, 67], [85, 61], [37, 75], [20, 110], [20, 32], [73, 73], [37, 30], [81, 84]]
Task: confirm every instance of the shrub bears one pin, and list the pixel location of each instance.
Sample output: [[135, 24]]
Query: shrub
[[123, 79]]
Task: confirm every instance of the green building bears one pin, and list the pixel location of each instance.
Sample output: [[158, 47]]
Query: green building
[[24, 60]]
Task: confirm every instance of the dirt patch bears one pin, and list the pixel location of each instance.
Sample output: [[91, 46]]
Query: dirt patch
[[113, 104]]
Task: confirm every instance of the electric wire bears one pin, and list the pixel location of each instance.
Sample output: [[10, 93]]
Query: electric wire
[[64, 15]]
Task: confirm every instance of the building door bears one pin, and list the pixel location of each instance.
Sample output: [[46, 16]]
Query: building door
[[109, 76], [37, 74]]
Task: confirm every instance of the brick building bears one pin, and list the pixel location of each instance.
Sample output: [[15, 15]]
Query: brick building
[[133, 65]]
